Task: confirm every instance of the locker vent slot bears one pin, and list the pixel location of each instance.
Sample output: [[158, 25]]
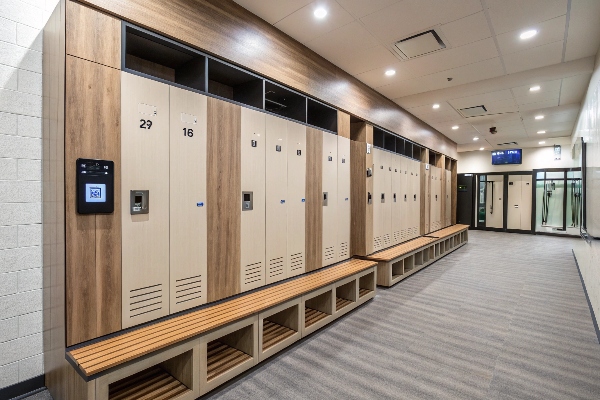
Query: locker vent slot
[[275, 266], [329, 253], [386, 240], [145, 300], [397, 236], [296, 261], [343, 251], [377, 243], [187, 289], [253, 272]]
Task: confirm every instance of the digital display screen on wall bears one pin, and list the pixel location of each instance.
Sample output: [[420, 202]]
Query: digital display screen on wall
[[502, 157]]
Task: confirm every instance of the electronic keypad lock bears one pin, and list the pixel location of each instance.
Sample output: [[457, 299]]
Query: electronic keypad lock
[[139, 201], [247, 201], [95, 186]]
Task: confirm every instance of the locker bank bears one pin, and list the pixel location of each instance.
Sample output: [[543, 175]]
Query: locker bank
[[206, 199]]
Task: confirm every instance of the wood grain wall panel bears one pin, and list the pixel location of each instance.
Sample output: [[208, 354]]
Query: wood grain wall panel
[[358, 194], [93, 35], [224, 205], [224, 28], [442, 165], [93, 260], [343, 124], [454, 186], [314, 202]]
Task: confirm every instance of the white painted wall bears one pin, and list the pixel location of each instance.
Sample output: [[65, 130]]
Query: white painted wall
[[533, 158], [21, 22]]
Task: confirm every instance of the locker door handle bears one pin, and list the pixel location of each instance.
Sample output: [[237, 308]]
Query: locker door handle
[[325, 195], [369, 198], [383, 197], [394, 197]]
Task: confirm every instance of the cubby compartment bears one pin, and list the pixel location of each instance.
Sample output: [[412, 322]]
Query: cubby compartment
[[431, 253], [163, 59], [346, 294], [419, 258], [284, 102], [437, 250], [278, 328], [227, 352], [448, 244], [409, 264], [366, 286], [321, 115], [397, 269], [426, 255], [232, 83], [318, 309]]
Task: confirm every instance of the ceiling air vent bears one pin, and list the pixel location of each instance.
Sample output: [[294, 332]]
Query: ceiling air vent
[[508, 144], [419, 45], [475, 111]]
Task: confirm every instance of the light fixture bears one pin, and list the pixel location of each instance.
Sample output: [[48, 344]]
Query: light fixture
[[455, 127], [542, 142], [475, 138], [539, 117], [528, 34], [481, 148], [534, 88], [390, 72], [541, 132], [436, 106], [320, 13]]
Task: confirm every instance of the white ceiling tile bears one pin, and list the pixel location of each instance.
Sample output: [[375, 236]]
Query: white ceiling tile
[[535, 98], [361, 8], [510, 15], [408, 17], [537, 57], [552, 134], [376, 77], [545, 87], [539, 105], [273, 10], [425, 111], [584, 30], [344, 40], [480, 99], [549, 31], [501, 106], [466, 30], [304, 27], [360, 61], [574, 88]]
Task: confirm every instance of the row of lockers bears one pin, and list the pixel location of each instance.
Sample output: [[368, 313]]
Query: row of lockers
[[164, 152], [396, 199], [438, 199]]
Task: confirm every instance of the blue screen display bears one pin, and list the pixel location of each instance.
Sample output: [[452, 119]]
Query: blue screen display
[[513, 156]]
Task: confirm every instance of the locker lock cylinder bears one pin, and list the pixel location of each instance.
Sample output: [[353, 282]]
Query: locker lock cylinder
[[247, 201], [139, 201]]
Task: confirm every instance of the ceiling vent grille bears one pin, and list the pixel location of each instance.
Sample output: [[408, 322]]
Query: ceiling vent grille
[[508, 144], [419, 45], [475, 111]]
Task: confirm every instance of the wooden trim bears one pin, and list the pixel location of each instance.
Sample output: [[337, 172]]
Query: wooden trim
[[223, 186], [454, 169], [441, 163], [314, 205], [93, 36], [226, 29], [343, 124]]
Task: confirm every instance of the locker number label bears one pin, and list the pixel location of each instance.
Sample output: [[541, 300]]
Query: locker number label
[[188, 132], [145, 124]]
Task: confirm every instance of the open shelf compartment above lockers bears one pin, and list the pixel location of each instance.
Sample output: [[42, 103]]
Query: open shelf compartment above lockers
[[321, 115], [396, 144], [163, 59], [232, 83], [285, 102], [170, 379]]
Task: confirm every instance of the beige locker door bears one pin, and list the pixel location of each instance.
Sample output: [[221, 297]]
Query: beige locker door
[[144, 166], [343, 193], [330, 198], [427, 201], [448, 200], [378, 190], [526, 182], [495, 219], [439, 202], [252, 240], [295, 200], [276, 198], [432, 202], [403, 198], [396, 199], [416, 212], [187, 199], [387, 201], [513, 217]]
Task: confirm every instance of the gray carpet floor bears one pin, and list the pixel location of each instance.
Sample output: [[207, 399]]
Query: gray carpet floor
[[504, 317]]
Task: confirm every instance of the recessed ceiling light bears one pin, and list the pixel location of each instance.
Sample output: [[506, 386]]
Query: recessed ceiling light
[[481, 148], [541, 132], [475, 138], [320, 13], [534, 88], [455, 127], [539, 117], [436, 106], [390, 72], [542, 142], [528, 34]]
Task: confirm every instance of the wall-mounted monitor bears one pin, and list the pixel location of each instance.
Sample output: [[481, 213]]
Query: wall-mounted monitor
[[502, 157]]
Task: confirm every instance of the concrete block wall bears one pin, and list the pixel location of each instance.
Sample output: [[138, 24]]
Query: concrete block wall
[[21, 322]]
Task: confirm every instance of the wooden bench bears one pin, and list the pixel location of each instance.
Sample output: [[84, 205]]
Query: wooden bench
[[188, 355], [398, 262]]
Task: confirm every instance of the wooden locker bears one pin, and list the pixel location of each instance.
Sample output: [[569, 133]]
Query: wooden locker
[[397, 199], [252, 240], [144, 166], [434, 197], [513, 214], [343, 193], [330, 198], [526, 183], [416, 230], [378, 191], [296, 199], [427, 191], [403, 199], [448, 199], [187, 204], [276, 197], [387, 200]]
